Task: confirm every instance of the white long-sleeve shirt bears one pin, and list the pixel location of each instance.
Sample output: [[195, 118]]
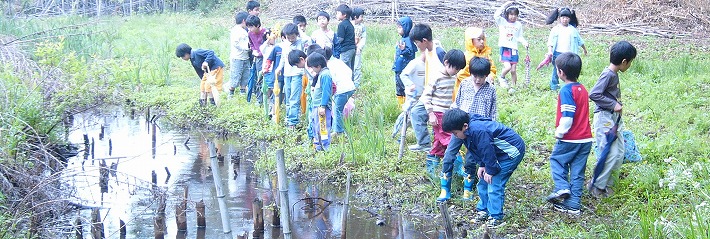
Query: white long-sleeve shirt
[[238, 43], [509, 34]]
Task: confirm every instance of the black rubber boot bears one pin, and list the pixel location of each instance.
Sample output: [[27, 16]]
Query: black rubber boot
[[202, 102], [212, 101]]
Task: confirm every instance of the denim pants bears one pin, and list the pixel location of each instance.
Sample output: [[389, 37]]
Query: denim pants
[[339, 102], [254, 79], [567, 164], [357, 71], [349, 58], [239, 76], [602, 123], [554, 80], [420, 117], [493, 195], [292, 88]]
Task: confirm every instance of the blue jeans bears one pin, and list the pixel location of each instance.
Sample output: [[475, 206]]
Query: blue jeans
[[493, 195], [349, 58], [357, 71], [567, 164], [555, 80], [420, 119], [292, 88], [339, 102]]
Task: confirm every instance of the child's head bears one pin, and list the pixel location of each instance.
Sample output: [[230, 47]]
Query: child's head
[[565, 15], [253, 7], [343, 12], [253, 23], [312, 48], [454, 61], [290, 32], [475, 37], [240, 18], [297, 58], [316, 62], [271, 36], [358, 15], [404, 26], [621, 54], [511, 14], [323, 19], [300, 21], [328, 52], [455, 121], [479, 68], [183, 51], [569, 65], [421, 36]]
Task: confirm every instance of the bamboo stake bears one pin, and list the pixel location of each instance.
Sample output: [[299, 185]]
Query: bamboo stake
[[283, 193], [218, 187]]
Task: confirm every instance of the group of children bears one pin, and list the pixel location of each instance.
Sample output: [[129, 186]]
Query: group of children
[[451, 91]]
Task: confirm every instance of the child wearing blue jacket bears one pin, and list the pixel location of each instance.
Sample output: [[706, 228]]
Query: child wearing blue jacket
[[321, 97], [495, 148], [404, 53]]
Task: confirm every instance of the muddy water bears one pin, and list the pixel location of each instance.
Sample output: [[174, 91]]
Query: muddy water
[[128, 149]]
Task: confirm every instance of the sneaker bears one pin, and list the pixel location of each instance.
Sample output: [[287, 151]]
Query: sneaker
[[503, 82], [559, 196], [417, 147], [493, 223], [481, 217], [565, 209]]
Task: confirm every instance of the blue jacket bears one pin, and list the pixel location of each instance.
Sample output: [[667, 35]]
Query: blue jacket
[[488, 142], [198, 56], [403, 57]]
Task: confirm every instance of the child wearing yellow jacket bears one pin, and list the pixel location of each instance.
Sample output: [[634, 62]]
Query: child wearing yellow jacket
[[476, 46]]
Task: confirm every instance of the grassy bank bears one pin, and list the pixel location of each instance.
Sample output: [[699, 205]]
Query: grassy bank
[[665, 96]]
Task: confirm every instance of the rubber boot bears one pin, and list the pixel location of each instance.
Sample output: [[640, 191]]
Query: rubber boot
[[432, 163], [400, 101], [212, 101], [467, 188], [445, 189], [202, 102], [458, 166]]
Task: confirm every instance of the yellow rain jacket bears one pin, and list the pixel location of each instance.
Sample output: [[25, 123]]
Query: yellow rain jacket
[[472, 51]]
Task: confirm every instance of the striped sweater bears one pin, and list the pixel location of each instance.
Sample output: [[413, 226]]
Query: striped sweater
[[438, 94]]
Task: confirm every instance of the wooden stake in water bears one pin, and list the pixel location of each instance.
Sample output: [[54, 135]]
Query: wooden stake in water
[[122, 228], [258, 215], [446, 219], [79, 228], [218, 187], [159, 220], [283, 193], [346, 209], [97, 227], [200, 210], [180, 214]]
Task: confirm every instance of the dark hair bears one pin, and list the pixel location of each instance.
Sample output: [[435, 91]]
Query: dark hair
[[357, 12], [241, 17], [454, 119], [323, 14], [563, 12], [253, 21], [294, 57], [620, 51], [511, 10], [252, 4], [328, 52], [420, 32], [570, 64], [316, 59], [312, 48], [345, 10], [479, 67], [289, 29], [182, 49], [298, 19], [455, 58]]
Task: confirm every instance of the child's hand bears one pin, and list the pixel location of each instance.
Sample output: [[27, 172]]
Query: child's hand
[[205, 66], [481, 171], [401, 45], [411, 89], [585, 51], [617, 107], [321, 111], [357, 51], [488, 178], [432, 119]]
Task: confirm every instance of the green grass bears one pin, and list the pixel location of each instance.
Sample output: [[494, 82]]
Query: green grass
[[665, 104]]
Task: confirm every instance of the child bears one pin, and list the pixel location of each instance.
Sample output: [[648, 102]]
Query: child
[[321, 92], [404, 53], [360, 38], [476, 46], [510, 33], [346, 35], [606, 95], [574, 137], [563, 38], [421, 36], [412, 78], [239, 54], [344, 89], [204, 60], [253, 8], [292, 74], [437, 99], [256, 38], [495, 148], [323, 36], [475, 96], [267, 48], [301, 22]]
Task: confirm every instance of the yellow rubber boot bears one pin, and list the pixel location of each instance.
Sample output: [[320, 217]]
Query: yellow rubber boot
[[400, 101]]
